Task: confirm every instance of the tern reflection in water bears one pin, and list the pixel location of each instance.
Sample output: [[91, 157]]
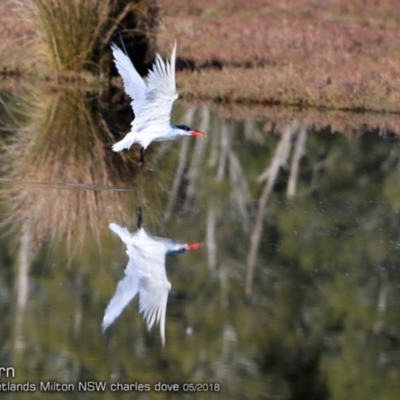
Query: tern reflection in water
[[145, 274]]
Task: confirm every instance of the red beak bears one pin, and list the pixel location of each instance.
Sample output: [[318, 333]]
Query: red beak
[[193, 246], [198, 133]]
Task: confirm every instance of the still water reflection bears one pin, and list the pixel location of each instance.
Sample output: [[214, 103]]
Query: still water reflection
[[145, 275], [295, 293]]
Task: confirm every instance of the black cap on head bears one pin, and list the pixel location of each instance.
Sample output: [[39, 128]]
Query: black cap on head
[[184, 128]]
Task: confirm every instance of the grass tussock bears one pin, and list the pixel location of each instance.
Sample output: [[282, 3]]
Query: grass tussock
[[72, 35], [17, 40]]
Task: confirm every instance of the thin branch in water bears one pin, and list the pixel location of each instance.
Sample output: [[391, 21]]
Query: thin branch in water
[[223, 152], [270, 175], [241, 190], [180, 169], [194, 169], [22, 287], [210, 237], [214, 127], [298, 153], [252, 133]]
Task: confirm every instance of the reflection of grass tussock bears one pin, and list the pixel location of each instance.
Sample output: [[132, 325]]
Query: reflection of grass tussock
[[72, 34], [277, 117], [62, 144]]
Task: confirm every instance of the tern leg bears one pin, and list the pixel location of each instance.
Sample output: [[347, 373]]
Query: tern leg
[[141, 157], [108, 334], [140, 217]]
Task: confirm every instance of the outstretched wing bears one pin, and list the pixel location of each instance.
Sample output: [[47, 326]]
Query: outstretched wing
[[153, 294], [134, 85], [123, 233], [127, 286], [145, 273], [160, 94], [126, 291]]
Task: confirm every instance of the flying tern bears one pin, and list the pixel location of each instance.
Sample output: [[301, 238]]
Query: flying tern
[[152, 102]]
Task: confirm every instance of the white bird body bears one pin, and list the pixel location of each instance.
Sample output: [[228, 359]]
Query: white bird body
[[152, 101], [144, 275]]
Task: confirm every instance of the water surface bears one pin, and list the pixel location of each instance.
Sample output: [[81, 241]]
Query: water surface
[[294, 295]]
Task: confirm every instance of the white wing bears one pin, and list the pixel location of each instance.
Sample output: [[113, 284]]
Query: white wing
[[160, 94], [123, 233], [145, 273], [153, 292], [126, 291], [134, 85]]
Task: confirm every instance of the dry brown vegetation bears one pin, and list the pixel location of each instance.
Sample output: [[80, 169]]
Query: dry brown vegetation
[[56, 38], [60, 148], [329, 55], [334, 55], [276, 118]]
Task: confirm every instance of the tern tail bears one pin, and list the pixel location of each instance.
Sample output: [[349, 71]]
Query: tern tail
[[125, 143]]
